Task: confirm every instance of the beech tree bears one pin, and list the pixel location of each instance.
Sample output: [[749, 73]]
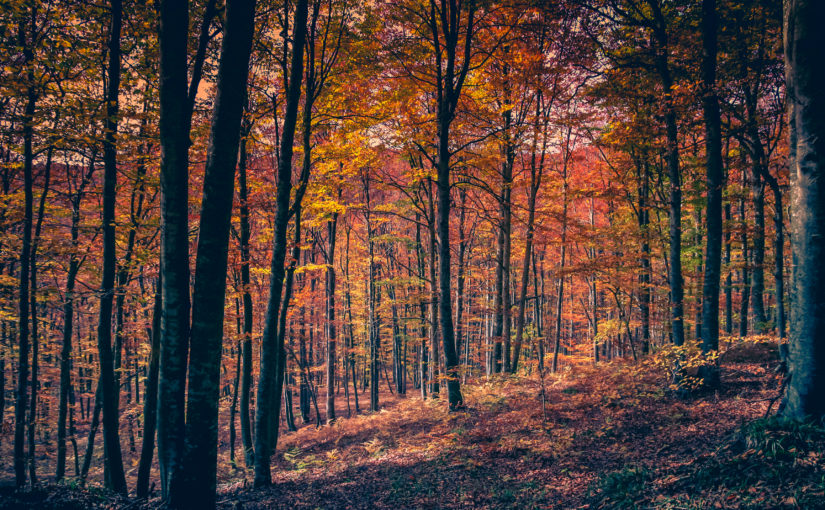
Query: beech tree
[[805, 395]]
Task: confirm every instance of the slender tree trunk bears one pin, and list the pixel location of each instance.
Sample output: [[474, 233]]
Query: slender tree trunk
[[66, 350], [150, 399], [672, 158], [746, 283], [272, 352], [35, 335], [713, 149], [246, 376], [23, 302], [462, 255], [373, 329], [332, 227], [560, 295], [729, 276], [536, 170], [758, 270], [644, 277], [435, 358], [115, 478]]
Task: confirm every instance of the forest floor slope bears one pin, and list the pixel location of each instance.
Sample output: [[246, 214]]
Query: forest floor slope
[[607, 437]]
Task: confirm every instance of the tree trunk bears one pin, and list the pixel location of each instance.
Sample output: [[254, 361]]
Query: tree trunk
[[713, 149], [672, 158], [332, 226], [804, 40], [174, 123], [536, 170], [746, 284], [208, 297], [115, 479], [23, 301], [246, 347], [272, 351], [150, 399]]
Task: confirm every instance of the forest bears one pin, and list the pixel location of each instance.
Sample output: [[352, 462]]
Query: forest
[[412, 254]]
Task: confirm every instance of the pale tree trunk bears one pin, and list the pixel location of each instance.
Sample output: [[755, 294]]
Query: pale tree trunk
[[804, 40]]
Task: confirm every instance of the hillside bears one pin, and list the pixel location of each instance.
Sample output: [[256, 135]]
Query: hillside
[[607, 437]]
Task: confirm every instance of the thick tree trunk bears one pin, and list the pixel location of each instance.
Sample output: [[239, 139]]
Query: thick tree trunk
[[174, 125], [804, 40], [208, 298]]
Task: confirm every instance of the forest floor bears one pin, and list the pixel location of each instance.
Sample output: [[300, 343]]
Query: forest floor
[[606, 437]]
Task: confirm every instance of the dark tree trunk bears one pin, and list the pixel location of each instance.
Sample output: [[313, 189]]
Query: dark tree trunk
[[435, 358], [246, 347], [332, 227], [804, 40], [373, 329], [23, 302], [729, 277], [746, 282], [174, 260], [713, 149], [644, 262], [213, 243], [115, 479], [536, 170], [35, 335], [758, 268], [150, 399], [672, 158], [272, 352]]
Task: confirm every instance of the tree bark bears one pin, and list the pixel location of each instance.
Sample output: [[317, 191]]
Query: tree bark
[[272, 351], [150, 399], [805, 78], [713, 150], [208, 298], [115, 479], [174, 125], [246, 375]]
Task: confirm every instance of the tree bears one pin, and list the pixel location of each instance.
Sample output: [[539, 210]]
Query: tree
[[713, 150], [273, 356], [805, 394], [213, 243], [452, 68], [110, 392]]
